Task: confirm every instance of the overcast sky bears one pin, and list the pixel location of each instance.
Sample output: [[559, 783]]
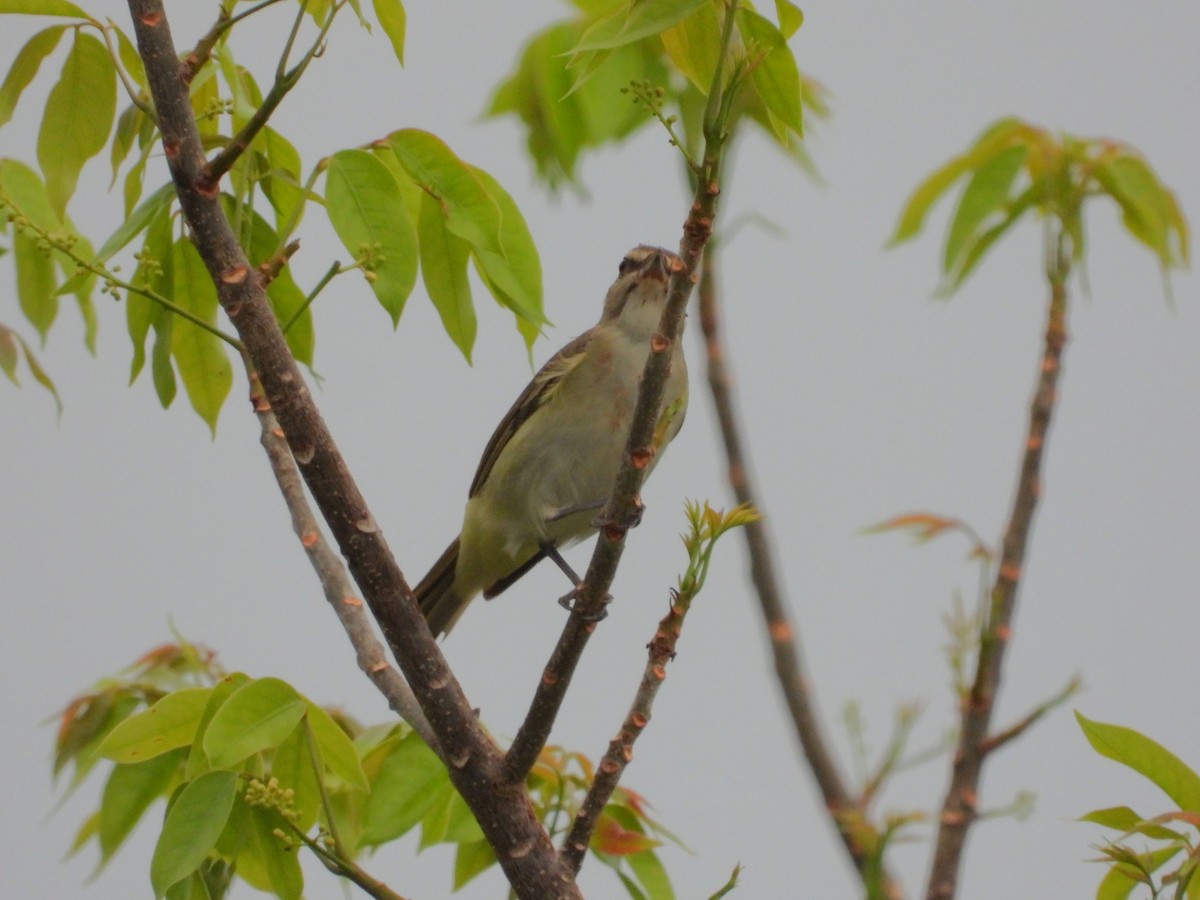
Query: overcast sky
[[863, 396]]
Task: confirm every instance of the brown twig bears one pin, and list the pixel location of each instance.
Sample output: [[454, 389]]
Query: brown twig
[[370, 653], [959, 809], [503, 811], [624, 505], [620, 749], [204, 47], [284, 82], [843, 808]]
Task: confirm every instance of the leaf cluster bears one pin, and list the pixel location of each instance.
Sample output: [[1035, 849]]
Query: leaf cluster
[[251, 771], [399, 203], [1173, 834], [565, 87], [1015, 168]]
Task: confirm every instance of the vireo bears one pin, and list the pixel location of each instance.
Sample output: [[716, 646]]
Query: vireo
[[549, 467]]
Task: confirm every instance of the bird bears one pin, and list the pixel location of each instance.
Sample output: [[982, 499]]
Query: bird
[[552, 461]]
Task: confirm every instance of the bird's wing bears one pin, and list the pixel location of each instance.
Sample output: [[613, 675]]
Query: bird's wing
[[540, 389]]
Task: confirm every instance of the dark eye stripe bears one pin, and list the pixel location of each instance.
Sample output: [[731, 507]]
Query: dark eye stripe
[[626, 264]]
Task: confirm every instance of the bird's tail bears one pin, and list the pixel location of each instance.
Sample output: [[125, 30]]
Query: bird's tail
[[440, 603]]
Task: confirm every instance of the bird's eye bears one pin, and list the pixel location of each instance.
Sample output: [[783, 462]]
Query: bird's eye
[[627, 264]]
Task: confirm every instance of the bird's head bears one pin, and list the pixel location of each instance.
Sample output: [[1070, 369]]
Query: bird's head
[[636, 299]]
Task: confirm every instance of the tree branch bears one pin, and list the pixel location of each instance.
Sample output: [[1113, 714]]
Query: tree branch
[[370, 653], [959, 809], [620, 749], [785, 645], [624, 507], [503, 810], [284, 82]]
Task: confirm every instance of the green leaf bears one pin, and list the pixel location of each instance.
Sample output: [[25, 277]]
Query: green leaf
[[26, 191], [367, 211], [141, 312], [639, 19], [150, 209], [444, 259], [469, 210], [258, 716], [408, 784], [515, 279], [42, 8], [130, 59], [790, 16], [265, 861], [390, 14], [25, 66], [776, 77], [470, 860], [282, 182], [128, 793], [986, 193], [79, 115], [169, 723], [8, 353], [1148, 210], [1117, 885], [652, 875], [193, 824], [978, 248], [336, 748], [292, 766], [1147, 758], [694, 46], [37, 283], [200, 356], [39, 374], [929, 191], [197, 761]]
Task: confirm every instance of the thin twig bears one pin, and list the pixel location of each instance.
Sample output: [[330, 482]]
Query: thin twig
[[333, 270], [204, 47], [624, 505], [335, 581], [620, 749], [135, 94], [959, 809], [1018, 728], [344, 867], [843, 808], [110, 278], [284, 82]]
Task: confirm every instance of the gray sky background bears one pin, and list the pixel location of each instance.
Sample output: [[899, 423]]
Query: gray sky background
[[863, 398]]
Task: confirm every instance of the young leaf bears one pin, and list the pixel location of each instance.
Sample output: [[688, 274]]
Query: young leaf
[[37, 283], [515, 279], [776, 77], [639, 19], [169, 723], [149, 210], [154, 272], [79, 115], [367, 211], [444, 258], [408, 783], [129, 791], [197, 761], [42, 8], [694, 44], [292, 766], [265, 861], [25, 66], [335, 748], [193, 824], [790, 16], [985, 194], [258, 716], [1147, 758], [470, 860], [469, 210], [390, 14], [203, 364]]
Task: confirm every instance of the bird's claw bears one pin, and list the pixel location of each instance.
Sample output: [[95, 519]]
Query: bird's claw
[[570, 602]]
